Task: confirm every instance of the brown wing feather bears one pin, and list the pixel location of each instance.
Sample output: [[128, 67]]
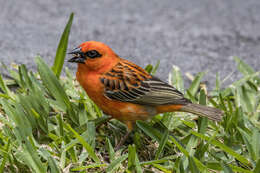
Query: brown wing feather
[[128, 82]]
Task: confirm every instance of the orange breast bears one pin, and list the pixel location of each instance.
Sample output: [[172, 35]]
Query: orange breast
[[122, 111]]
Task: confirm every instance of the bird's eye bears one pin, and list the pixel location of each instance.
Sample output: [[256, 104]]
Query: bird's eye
[[93, 54]]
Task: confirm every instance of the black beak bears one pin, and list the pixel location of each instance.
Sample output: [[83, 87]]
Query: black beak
[[75, 51], [78, 56]]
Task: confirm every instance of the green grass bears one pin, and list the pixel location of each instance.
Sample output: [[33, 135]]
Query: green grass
[[48, 124]]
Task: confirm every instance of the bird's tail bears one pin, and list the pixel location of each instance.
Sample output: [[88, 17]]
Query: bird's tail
[[204, 111]]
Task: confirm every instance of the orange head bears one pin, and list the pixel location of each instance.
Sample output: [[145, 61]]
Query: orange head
[[94, 56]]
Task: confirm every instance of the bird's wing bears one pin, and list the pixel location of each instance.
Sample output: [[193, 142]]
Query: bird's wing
[[128, 82]]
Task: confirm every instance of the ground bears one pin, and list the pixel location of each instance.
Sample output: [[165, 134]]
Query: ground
[[199, 35]]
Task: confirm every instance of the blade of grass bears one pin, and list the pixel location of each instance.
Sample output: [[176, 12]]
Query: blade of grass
[[244, 68], [82, 168], [152, 132], [226, 168], [155, 68], [63, 156], [149, 130], [3, 86], [16, 113], [30, 155], [218, 82], [162, 144], [242, 81], [257, 167], [175, 79], [166, 159], [203, 121], [196, 83], [91, 137], [116, 163], [51, 161], [62, 47], [239, 169], [110, 149], [247, 138], [88, 147], [5, 155], [193, 166], [247, 102], [160, 167], [223, 147], [200, 165], [51, 83], [133, 161], [255, 142], [149, 68], [54, 87]]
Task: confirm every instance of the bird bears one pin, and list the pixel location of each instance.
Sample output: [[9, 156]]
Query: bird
[[125, 91]]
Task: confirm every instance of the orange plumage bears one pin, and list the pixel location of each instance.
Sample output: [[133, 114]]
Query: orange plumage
[[126, 91]]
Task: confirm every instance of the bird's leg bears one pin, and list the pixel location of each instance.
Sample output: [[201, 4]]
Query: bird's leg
[[122, 141]]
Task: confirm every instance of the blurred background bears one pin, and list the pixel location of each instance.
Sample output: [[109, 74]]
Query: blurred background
[[201, 35]]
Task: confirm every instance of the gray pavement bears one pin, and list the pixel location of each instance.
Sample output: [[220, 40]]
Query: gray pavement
[[196, 35]]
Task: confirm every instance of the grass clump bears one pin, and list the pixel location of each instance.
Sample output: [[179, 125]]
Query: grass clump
[[48, 124]]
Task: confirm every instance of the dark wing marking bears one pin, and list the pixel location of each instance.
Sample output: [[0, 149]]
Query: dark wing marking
[[128, 82], [161, 93]]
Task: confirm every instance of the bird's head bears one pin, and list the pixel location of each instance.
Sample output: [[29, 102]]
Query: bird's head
[[93, 55]]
